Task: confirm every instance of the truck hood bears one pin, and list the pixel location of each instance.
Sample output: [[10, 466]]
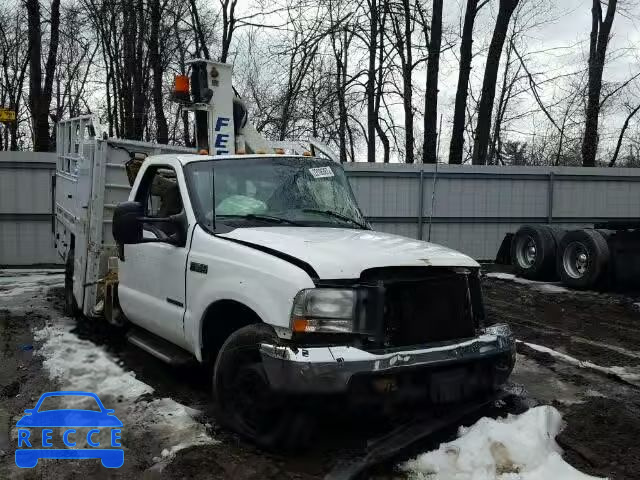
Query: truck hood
[[344, 253]]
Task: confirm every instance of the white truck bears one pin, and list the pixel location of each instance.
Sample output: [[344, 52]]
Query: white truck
[[261, 266]]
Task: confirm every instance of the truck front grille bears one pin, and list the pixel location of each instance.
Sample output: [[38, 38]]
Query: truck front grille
[[425, 306]]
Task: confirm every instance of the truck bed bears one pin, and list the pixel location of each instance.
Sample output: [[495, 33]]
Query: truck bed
[[90, 181]]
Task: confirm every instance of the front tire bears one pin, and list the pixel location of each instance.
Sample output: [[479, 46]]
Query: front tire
[[243, 399]]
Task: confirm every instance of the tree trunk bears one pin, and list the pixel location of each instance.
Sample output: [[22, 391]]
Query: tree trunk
[[487, 96], [201, 43], [162, 134], [342, 59], [228, 26], [621, 136], [505, 95], [600, 31], [371, 82], [407, 85], [466, 54], [429, 153], [139, 95], [379, 86], [39, 95]]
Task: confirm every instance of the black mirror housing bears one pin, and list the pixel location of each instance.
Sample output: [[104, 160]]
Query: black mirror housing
[[127, 223]]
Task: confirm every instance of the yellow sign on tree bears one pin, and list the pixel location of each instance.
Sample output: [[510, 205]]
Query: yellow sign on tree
[[7, 115]]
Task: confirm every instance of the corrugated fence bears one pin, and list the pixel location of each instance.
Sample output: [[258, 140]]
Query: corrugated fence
[[26, 199], [473, 206]]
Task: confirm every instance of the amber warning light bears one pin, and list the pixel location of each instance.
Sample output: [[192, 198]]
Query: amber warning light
[[181, 88]]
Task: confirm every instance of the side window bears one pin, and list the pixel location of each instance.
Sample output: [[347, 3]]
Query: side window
[[160, 195]]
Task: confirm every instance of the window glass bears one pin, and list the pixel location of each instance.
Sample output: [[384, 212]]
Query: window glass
[[301, 190]]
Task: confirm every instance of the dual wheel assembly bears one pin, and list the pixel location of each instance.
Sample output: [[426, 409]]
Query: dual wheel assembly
[[579, 258]]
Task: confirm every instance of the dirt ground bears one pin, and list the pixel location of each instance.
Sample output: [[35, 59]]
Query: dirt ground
[[601, 408], [602, 411]]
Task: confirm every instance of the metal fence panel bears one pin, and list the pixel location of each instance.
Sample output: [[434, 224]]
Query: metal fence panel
[[26, 195], [474, 206]]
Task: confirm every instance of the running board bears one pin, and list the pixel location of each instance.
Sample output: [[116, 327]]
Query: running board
[[159, 348]]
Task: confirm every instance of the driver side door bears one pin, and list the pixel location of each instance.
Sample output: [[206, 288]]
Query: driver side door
[[152, 276]]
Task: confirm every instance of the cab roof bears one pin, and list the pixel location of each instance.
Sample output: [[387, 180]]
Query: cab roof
[[192, 158]]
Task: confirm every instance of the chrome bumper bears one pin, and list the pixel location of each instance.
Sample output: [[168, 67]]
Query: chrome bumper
[[330, 369]]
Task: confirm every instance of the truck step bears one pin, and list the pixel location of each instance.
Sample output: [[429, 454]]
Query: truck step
[[159, 347]]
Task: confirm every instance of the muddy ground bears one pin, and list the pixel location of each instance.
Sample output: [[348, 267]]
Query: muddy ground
[[601, 409]]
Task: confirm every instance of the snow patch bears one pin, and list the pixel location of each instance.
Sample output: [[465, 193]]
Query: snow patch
[[540, 286], [19, 282], [518, 447], [621, 372], [79, 364]]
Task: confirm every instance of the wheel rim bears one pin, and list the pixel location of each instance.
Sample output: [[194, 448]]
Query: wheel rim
[[526, 252], [252, 402], [576, 260]]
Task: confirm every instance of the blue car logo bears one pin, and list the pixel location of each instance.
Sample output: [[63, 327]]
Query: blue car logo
[[31, 449]]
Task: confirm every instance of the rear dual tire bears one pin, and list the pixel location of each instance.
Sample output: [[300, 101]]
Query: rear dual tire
[[583, 258], [533, 251]]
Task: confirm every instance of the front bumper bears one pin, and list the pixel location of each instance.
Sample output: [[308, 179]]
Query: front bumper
[[326, 370]]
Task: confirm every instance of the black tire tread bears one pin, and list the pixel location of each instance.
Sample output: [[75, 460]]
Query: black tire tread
[[544, 267], [294, 432], [600, 258]]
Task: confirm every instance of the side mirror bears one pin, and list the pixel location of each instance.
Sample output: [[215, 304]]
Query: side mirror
[[127, 223]]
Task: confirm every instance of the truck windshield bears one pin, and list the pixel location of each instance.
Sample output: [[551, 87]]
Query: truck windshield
[[272, 191]]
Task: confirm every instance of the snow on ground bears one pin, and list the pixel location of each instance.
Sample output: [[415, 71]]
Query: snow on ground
[[541, 286], [518, 447], [81, 365], [623, 373], [18, 282]]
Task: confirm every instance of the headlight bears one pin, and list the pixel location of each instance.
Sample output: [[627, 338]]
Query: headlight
[[324, 310]]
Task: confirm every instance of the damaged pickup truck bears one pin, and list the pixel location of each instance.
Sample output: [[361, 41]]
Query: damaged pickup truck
[[264, 268], [255, 260]]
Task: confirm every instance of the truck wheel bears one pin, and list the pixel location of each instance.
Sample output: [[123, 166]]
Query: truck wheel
[[533, 252], [70, 304], [244, 401], [583, 257]]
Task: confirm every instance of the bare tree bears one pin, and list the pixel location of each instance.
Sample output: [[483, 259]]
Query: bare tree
[[429, 153], [487, 97], [341, 39], [14, 56], [374, 22], [155, 61], [39, 91], [599, 40], [464, 71], [630, 115]]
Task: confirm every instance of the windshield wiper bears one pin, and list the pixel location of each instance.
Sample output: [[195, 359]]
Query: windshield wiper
[[264, 218], [340, 216]]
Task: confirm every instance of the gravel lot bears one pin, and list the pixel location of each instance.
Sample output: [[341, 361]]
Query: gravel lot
[[591, 376]]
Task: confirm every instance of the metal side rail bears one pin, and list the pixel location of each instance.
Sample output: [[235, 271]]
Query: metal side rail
[[159, 348]]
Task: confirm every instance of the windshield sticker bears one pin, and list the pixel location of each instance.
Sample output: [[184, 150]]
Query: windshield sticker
[[321, 172]]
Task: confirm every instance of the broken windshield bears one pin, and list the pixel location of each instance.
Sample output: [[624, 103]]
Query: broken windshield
[[276, 191]]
